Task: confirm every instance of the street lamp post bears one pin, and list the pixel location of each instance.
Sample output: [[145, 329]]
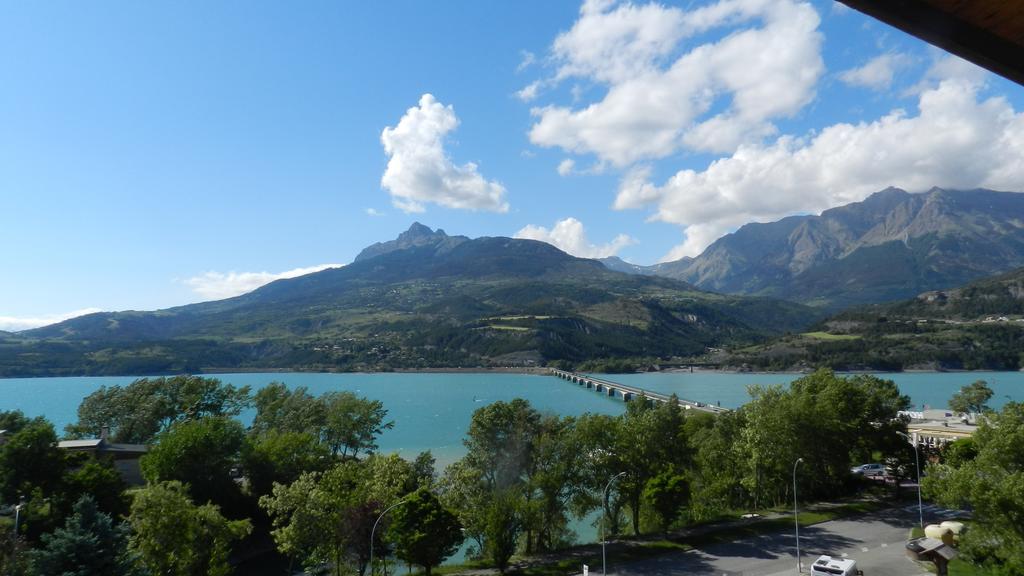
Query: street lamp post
[[796, 517], [17, 516], [374, 529], [917, 465], [604, 565]]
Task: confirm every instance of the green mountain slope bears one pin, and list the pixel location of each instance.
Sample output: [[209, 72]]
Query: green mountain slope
[[977, 326], [891, 246], [424, 300]]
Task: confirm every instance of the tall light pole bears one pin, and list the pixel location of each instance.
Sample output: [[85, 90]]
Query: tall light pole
[[917, 464], [796, 517], [604, 565], [17, 516], [374, 530]]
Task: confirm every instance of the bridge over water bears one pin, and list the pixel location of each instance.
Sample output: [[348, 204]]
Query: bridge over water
[[627, 392]]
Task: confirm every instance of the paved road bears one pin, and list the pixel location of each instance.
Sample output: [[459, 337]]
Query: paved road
[[874, 540]]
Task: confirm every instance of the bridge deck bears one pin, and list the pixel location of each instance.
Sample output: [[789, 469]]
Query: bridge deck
[[626, 392]]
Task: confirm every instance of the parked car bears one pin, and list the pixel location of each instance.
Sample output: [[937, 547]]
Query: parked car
[[869, 470], [829, 566]]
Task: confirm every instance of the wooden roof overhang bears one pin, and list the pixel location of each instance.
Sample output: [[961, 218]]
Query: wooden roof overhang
[[989, 33]]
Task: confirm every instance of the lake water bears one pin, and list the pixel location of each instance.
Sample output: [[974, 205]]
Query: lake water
[[433, 411]]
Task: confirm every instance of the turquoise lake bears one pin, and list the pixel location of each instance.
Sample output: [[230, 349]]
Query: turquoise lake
[[432, 411]]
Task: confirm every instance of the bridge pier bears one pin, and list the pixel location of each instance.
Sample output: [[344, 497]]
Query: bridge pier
[[611, 391], [627, 396]]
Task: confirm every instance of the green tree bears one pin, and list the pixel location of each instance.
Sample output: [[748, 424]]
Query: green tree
[[992, 483], [667, 493], [972, 399], [96, 477], [596, 437], [284, 410], [424, 531], [352, 423], [649, 440], [89, 544], [502, 528], [717, 466], [200, 453], [174, 537], [12, 421], [138, 412], [555, 482], [464, 491], [500, 440], [959, 452], [281, 457], [327, 518], [30, 459]]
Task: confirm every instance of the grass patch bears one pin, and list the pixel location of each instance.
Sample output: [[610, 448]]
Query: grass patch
[[827, 336], [958, 567]]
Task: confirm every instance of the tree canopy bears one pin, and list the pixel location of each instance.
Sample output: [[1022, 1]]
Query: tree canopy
[[138, 412], [989, 477]]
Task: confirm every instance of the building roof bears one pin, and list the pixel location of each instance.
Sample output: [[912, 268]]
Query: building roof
[[78, 444], [989, 33], [101, 445]]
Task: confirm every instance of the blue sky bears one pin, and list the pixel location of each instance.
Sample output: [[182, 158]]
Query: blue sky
[[160, 153]]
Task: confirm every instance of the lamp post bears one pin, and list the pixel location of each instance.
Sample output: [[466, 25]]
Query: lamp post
[[604, 565], [917, 465], [374, 529], [796, 517], [17, 516]]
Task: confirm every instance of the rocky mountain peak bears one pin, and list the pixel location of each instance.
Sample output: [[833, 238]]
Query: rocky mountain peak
[[416, 235]]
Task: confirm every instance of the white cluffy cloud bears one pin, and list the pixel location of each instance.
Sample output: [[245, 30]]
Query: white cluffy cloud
[[419, 170], [569, 236], [15, 323], [662, 96], [877, 73], [219, 285], [956, 140]]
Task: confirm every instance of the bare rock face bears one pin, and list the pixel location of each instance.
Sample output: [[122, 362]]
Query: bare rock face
[[893, 245]]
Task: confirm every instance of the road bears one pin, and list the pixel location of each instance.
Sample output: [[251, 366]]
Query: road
[[874, 540]]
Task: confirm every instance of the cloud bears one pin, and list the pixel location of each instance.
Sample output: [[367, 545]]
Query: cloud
[[220, 285], [373, 212], [527, 60], [529, 93], [661, 98], [877, 73], [569, 236], [16, 323], [419, 170], [956, 140], [565, 167]]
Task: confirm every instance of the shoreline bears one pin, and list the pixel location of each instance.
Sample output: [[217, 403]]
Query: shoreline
[[524, 370]]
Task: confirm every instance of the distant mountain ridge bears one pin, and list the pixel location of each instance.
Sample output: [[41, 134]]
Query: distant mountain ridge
[[892, 245], [978, 326], [425, 299]]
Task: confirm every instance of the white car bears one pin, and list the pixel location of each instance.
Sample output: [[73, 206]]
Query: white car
[[869, 470], [829, 566]]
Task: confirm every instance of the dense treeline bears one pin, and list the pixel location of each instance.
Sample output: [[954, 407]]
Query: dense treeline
[[305, 484], [895, 346]]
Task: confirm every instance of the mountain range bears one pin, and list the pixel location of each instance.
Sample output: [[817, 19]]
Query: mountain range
[[425, 299], [891, 246]]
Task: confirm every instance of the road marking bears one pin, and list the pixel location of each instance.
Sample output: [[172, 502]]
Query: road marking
[[863, 548], [884, 545], [844, 554]]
